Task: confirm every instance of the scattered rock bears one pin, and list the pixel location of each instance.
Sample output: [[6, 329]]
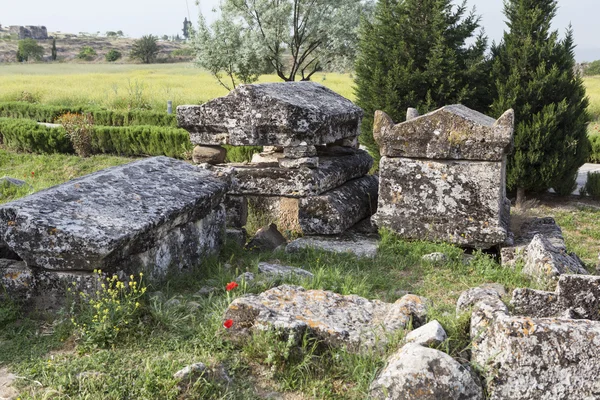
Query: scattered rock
[[337, 320], [6, 380], [209, 154], [6, 181], [205, 291], [278, 270], [420, 373], [190, 372], [173, 302], [498, 287], [471, 297], [284, 114], [267, 239], [545, 261], [435, 258], [432, 333], [245, 277], [236, 236], [359, 245]]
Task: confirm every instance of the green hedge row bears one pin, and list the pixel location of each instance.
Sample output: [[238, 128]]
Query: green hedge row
[[29, 136], [47, 113]]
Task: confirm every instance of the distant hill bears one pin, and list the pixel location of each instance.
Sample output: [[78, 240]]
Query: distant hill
[[69, 45]]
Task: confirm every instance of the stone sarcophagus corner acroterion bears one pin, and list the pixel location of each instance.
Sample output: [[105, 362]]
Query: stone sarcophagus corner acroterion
[[442, 176], [310, 176]]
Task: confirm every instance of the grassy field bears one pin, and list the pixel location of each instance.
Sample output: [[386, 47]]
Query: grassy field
[[121, 85]]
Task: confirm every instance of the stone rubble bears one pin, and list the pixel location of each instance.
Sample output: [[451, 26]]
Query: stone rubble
[[267, 238], [356, 244], [430, 334]]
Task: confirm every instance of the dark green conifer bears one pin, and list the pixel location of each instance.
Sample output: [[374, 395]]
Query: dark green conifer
[[533, 73]]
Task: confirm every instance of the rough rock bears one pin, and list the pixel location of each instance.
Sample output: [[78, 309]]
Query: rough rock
[[300, 151], [451, 132], [270, 159], [435, 258], [411, 113], [236, 209], [535, 358], [304, 162], [236, 236], [7, 392], [283, 211], [7, 181], [332, 172], [432, 333], [473, 296], [269, 114], [209, 154], [29, 32], [335, 211], [351, 321], [535, 303], [365, 226], [150, 215], [420, 373], [460, 202], [278, 270], [245, 277], [267, 239], [545, 261], [359, 245]]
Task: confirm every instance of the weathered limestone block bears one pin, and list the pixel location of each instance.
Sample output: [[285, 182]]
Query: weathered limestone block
[[473, 296], [357, 244], [537, 358], [284, 114], [451, 132], [150, 215], [460, 202], [432, 333], [351, 321], [300, 151], [236, 208], [271, 158], [273, 181], [283, 211], [304, 162], [545, 261], [278, 270], [546, 227], [535, 303], [420, 373], [7, 181], [335, 211], [209, 154]]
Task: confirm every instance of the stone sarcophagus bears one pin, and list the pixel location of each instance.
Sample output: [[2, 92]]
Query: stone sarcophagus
[[442, 176], [310, 177]]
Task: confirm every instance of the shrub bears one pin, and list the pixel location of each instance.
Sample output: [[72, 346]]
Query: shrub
[[87, 53], [79, 130], [145, 49], [112, 55], [592, 186], [566, 186], [594, 156], [28, 136], [592, 68], [29, 50]]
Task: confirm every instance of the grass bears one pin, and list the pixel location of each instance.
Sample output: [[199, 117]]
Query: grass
[[116, 86]]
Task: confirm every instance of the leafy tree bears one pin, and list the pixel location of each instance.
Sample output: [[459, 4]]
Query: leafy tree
[[187, 28], [54, 52], [592, 68], [111, 34], [112, 55], [145, 49], [29, 50], [87, 53], [533, 71], [120, 34], [415, 54], [297, 37]]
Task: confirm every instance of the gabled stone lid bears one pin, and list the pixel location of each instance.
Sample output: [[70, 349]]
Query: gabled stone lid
[[452, 132], [270, 114]]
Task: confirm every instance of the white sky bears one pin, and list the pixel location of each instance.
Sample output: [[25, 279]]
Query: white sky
[[159, 17]]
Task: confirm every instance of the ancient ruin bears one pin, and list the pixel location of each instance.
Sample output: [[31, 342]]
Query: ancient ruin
[[311, 178], [442, 176], [152, 216]]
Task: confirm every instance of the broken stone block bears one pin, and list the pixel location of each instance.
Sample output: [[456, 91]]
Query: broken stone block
[[267, 239], [535, 303], [278, 270], [151, 215], [335, 211], [350, 321], [283, 211], [209, 154], [274, 181], [436, 258], [473, 296], [269, 114], [304, 162], [7, 181], [451, 132], [356, 244], [236, 209], [459, 202], [544, 261], [300, 151], [411, 113], [271, 159], [430, 334], [417, 372]]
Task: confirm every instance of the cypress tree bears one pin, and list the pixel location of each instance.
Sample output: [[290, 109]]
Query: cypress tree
[[414, 54], [533, 73], [53, 49]]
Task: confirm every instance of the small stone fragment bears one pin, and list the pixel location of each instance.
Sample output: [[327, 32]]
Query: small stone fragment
[[435, 258], [209, 155], [545, 261], [7, 181], [359, 245], [278, 270], [432, 333], [190, 372], [245, 277], [473, 296], [420, 373], [411, 113], [267, 239]]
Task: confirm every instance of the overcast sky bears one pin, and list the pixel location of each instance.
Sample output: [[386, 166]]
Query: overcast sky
[[160, 17]]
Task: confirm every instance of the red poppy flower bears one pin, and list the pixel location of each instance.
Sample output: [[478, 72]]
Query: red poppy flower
[[32, 173], [228, 324], [230, 286]]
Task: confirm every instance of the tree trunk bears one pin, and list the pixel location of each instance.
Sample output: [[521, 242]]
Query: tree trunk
[[520, 197]]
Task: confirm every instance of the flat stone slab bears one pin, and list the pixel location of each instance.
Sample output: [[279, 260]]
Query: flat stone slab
[[335, 211], [148, 215], [351, 321], [278, 270], [461, 202], [453, 132], [356, 244], [272, 114], [300, 182]]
